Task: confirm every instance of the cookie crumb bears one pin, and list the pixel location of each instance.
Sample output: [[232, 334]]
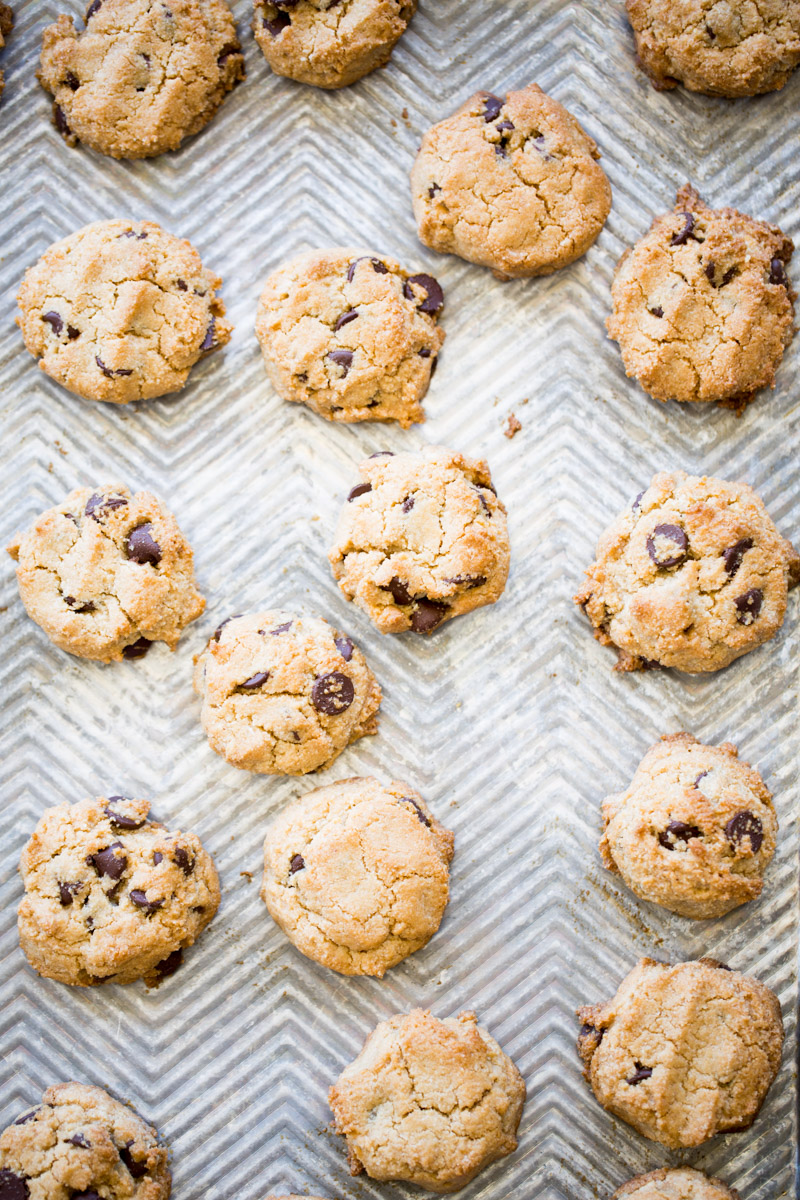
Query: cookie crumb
[[512, 426]]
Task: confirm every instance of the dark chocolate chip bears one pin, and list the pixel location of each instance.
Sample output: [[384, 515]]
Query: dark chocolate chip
[[78, 1139], [640, 1073], [210, 340], [709, 270], [276, 25], [505, 126], [142, 547], [345, 319], [730, 274], [67, 891], [710, 32], [491, 107], [733, 556], [92, 9], [383, 454], [71, 81], [170, 964], [106, 862], [26, 1117], [131, 233], [748, 606], [702, 775], [297, 864], [399, 590], [98, 505], [287, 625], [157, 857], [72, 603], [777, 274], [425, 352], [427, 614], [378, 267], [184, 860], [110, 372], [342, 358], [137, 1169], [60, 121], [419, 812], [54, 321], [432, 190], [360, 489], [433, 299], [745, 825], [227, 52], [485, 504], [255, 681], [500, 150], [216, 634], [91, 1195], [434, 365], [12, 1187], [408, 504], [332, 693], [680, 239], [468, 581], [73, 333], [592, 1031], [637, 502], [345, 647], [677, 831], [181, 285], [668, 545], [657, 311], [118, 819], [140, 900], [137, 649]]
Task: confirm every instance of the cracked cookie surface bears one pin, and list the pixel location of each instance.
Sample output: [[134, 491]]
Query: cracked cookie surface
[[720, 47], [356, 874], [692, 575], [351, 334], [82, 1143], [329, 43], [428, 1101], [142, 76], [282, 694], [106, 573], [683, 1052], [703, 307], [694, 831], [111, 895], [675, 1183], [510, 183], [423, 538], [120, 311]]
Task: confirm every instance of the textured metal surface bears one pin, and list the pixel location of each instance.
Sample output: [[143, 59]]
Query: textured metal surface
[[510, 721]]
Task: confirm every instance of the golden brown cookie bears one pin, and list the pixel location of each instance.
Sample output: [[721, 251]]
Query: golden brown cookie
[[675, 1183], [6, 25]]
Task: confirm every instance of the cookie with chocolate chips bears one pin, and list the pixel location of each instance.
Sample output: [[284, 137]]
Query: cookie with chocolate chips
[[106, 573], [675, 1183], [683, 1052], [510, 182], [282, 694], [142, 76], [692, 575], [80, 1142], [353, 335], [421, 539], [703, 306], [694, 831], [121, 311], [6, 25]]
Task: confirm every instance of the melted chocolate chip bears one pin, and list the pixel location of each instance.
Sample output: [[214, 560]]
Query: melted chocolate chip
[[505, 126], [71, 81], [210, 340], [67, 891], [745, 825], [680, 239], [54, 321], [425, 352], [657, 311], [733, 556], [137, 1169], [72, 603], [342, 358], [287, 625], [78, 1139], [702, 775], [668, 545], [140, 900], [157, 857], [26, 1117], [433, 298], [255, 681], [142, 547], [748, 606], [345, 647], [181, 285], [777, 274], [591, 1031], [131, 233], [169, 965], [216, 634], [408, 504], [107, 862], [399, 590], [110, 372], [345, 319], [98, 505], [60, 121], [637, 502], [677, 831], [332, 693], [297, 864], [184, 860], [118, 819], [491, 107], [383, 454], [360, 489], [227, 52], [92, 9], [91, 1195], [419, 812], [137, 649], [427, 614], [277, 24], [640, 1073], [12, 1186], [432, 190], [467, 581]]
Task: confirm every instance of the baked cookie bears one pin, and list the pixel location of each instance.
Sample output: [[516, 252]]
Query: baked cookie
[[142, 76], [675, 1183], [428, 1102], [694, 831], [683, 1052], [510, 183], [356, 874], [692, 575], [421, 539], [703, 307], [81, 1143], [106, 573], [352, 335], [6, 25], [329, 43], [284, 695], [110, 895], [720, 47], [121, 311]]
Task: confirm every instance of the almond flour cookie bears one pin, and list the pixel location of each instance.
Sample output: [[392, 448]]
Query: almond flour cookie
[[683, 1052], [356, 874], [284, 695], [510, 183], [110, 895], [352, 335], [142, 76], [81, 1143], [329, 43], [106, 573], [428, 1102], [703, 307], [691, 576], [121, 311], [720, 47], [421, 539], [6, 25], [694, 831], [675, 1183]]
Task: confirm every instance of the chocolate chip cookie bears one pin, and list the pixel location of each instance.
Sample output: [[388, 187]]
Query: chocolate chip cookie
[[694, 831], [421, 539], [675, 1183], [282, 694], [703, 306], [112, 896], [683, 1052], [121, 311], [142, 76], [106, 573], [79, 1142], [329, 43], [429, 1102], [734, 48], [357, 874], [351, 334], [510, 182], [6, 25], [692, 575]]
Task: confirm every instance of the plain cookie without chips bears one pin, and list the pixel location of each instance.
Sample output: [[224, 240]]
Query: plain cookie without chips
[[356, 874], [720, 47], [329, 43], [282, 694], [351, 334], [80, 1143], [423, 538], [694, 831], [683, 1052], [429, 1102], [142, 76], [703, 307], [106, 573], [675, 1183], [510, 183], [121, 311], [692, 575]]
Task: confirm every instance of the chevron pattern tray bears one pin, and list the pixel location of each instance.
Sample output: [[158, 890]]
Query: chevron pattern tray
[[509, 721]]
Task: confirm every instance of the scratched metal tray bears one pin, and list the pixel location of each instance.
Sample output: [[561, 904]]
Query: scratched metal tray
[[510, 721]]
